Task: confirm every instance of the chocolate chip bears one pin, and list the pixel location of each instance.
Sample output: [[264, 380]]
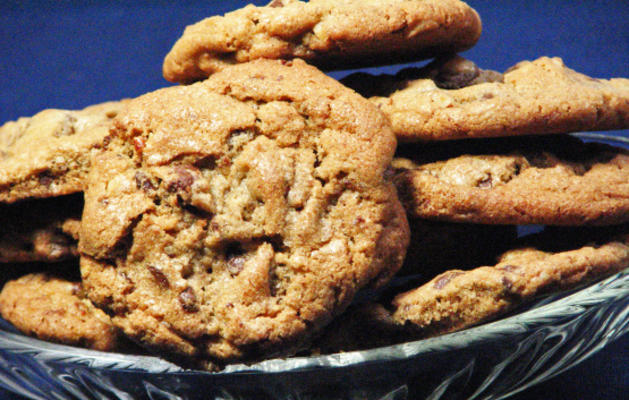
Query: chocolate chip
[[143, 182], [517, 169], [159, 276], [45, 179], [130, 287], [509, 268], [188, 300], [208, 162], [507, 283], [236, 264], [111, 114], [184, 179], [485, 183], [235, 256], [445, 278], [389, 173], [457, 76], [276, 3]]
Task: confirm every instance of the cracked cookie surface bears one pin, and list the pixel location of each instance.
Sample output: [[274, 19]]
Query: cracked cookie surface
[[454, 99], [330, 34], [552, 180], [48, 154], [231, 219], [57, 310]]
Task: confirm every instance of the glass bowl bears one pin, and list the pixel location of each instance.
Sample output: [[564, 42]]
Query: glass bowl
[[493, 360]]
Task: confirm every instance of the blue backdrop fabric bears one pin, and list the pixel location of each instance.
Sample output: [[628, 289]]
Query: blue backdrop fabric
[[70, 54]]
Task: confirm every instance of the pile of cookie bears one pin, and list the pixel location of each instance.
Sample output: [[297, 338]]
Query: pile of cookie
[[237, 216]]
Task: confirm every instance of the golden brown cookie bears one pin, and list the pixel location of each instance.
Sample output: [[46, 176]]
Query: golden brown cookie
[[454, 99], [57, 310], [556, 260], [233, 218], [44, 230], [331, 34], [48, 154], [457, 299], [534, 180]]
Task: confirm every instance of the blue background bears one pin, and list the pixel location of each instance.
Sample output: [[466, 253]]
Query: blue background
[[70, 54]]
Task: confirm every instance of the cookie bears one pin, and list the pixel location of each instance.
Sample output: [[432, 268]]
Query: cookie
[[454, 99], [231, 219], [331, 34], [44, 230], [48, 154], [556, 260], [543, 180], [458, 299], [57, 310]]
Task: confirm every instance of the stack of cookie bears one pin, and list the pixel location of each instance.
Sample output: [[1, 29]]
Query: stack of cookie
[[44, 162], [235, 217]]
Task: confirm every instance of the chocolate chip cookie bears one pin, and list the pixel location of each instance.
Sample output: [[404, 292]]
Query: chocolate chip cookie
[[457, 299], [48, 154], [231, 219], [555, 260], [554, 180], [43, 230], [57, 310], [331, 34], [454, 99]]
